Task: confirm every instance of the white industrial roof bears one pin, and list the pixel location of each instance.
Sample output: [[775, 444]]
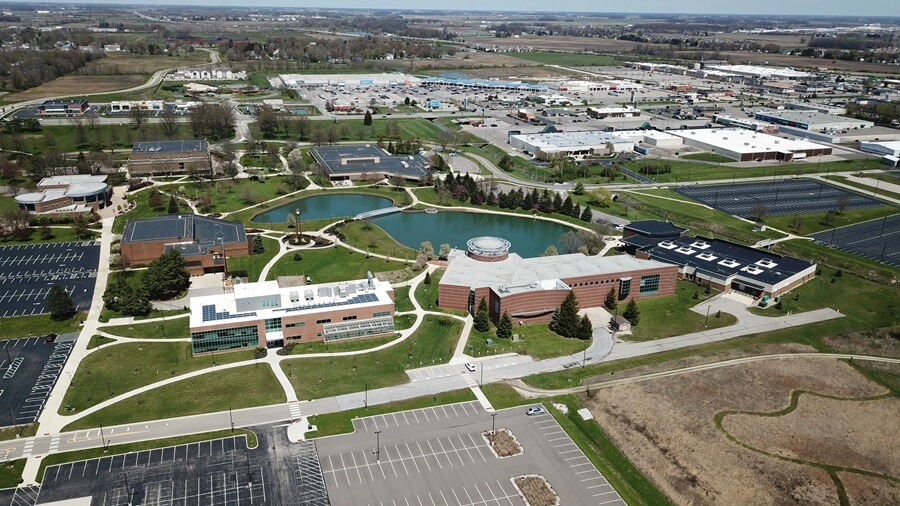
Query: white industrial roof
[[557, 140], [739, 140], [762, 71], [71, 179]]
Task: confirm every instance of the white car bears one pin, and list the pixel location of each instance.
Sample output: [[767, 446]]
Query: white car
[[535, 410], [470, 366]]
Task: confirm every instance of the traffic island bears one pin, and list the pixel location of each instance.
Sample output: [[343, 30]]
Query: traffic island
[[536, 490], [502, 443]]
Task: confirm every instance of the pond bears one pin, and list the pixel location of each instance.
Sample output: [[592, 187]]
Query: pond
[[318, 207]]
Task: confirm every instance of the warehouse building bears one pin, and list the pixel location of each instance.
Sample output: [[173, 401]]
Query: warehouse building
[[169, 157], [348, 80], [757, 72], [832, 110], [530, 289], [484, 84], [72, 195], [613, 112], [811, 120], [351, 163], [268, 315], [745, 123], [206, 243], [725, 265], [655, 138], [888, 150], [747, 146], [545, 146]]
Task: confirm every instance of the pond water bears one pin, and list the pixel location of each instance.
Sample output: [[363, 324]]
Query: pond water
[[318, 207]]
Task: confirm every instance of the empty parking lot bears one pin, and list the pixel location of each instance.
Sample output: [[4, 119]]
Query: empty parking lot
[[877, 240], [29, 368], [780, 198], [27, 272]]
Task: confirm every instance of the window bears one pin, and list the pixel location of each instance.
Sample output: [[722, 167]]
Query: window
[[273, 325], [624, 287], [381, 313], [224, 339], [326, 320], [297, 324], [649, 284], [348, 318], [271, 303]]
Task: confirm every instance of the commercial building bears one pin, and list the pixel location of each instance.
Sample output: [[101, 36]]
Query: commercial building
[[206, 243], [613, 112], [745, 123], [220, 74], [63, 107], [581, 86], [75, 194], [142, 105], [747, 146], [484, 84], [888, 150], [758, 72], [725, 265], [655, 138], [169, 157], [268, 315], [348, 80], [811, 120], [530, 289], [545, 146], [350, 163], [833, 110]]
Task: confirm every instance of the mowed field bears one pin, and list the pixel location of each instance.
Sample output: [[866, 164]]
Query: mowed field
[[127, 63], [562, 43], [78, 85], [768, 432]]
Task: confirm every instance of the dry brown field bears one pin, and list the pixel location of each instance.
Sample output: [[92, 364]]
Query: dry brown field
[[77, 85], [668, 428], [127, 63], [561, 43]]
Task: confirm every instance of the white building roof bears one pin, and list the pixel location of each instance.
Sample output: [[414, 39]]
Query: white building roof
[[646, 134], [763, 72], [71, 179], [739, 140], [556, 141]]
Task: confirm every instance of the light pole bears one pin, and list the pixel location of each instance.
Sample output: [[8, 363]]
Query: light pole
[[297, 230], [481, 383], [707, 316], [584, 358], [377, 446], [366, 398], [127, 487], [102, 437], [231, 417], [493, 420]]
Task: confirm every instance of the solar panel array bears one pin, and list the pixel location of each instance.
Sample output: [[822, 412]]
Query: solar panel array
[[210, 314], [359, 299]]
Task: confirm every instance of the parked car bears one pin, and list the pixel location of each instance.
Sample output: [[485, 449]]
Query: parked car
[[535, 410]]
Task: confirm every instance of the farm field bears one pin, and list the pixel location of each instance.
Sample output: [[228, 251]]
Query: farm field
[[78, 85]]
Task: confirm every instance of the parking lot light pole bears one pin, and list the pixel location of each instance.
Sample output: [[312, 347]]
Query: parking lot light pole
[[707, 316], [584, 358], [127, 488], [493, 420], [231, 417], [481, 383], [377, 446], [102, 437], [366, 398], [12, 413]]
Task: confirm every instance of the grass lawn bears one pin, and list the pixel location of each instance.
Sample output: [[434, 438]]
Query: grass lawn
[[685, 170], [11, 473], [256, 161], [432, 343], [227, 196], [812, 223], [503, 396], [567, 59], [142, 209], [535, 340], [331, 264], [62, 458], [404, 321], [97, 341], [367, 236], [427, 295], [408, 128], [241, 387], [707, 157], [253, 264], [118, 369], [38, 325], [401, 299], [341, 346], [867, 189], [176, 328], [101, 136], [671, 316], [34, 237], [26, 430], [332, 424]]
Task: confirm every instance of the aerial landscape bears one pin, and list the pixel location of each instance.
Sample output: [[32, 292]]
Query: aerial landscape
[[472, 254]]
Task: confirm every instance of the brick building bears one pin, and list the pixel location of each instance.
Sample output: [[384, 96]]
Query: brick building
[[530, 289], [269, 315], [169, 157], [200, 239], [71, 194]]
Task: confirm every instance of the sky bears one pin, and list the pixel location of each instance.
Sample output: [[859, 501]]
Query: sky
[[789, 7]]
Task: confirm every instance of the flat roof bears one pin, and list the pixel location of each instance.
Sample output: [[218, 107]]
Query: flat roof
[[71, 179], [808, 116], [348, 159], [291, 80], [183, 228], [186, 146], [585, 139], [762, 71], [739, 140], [485, 83], [655, 228]]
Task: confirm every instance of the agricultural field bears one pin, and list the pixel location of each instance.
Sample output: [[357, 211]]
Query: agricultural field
[[568, 59], [78, 85]]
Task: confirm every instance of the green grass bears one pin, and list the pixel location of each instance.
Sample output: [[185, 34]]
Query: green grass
[[11, 473], [34, 237], [408, 127], [625, 477], [503, 396], [671, 316], [427, 295], [685, 170], [38, 325], [26, 430], [404, 321], [256, 161], [340, 346], [567, 59], [228, 196], [535, 340], [92, 453], [812, 223], [707, 157], [99, 137], [370, 237], [254, 264], [332, 424], [401, 299], [331, 264], [433, 342], [867, 189], [124, 367], [237, 388], [176, 328], [97, 341]]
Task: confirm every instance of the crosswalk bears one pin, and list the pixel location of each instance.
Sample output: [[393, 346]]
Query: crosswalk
[[294, 408]]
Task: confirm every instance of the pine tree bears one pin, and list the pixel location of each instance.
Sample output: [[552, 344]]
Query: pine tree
[[632, 313], [576, 211], [166, 277], [585, 328], [587, 215], [482, 321], [557, 203], [554, 321], [156, 200], [427, 279], [139, 302], [258, 246], [504, 326], [566, 206], [367, 119], [611, 303], [173, 205], [566, 317], [116, 294], [59, 304]]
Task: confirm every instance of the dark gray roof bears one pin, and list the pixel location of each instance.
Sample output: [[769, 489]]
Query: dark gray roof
[[414, 166], [63, 102], [169, 146], [184, 228], [655, 228]]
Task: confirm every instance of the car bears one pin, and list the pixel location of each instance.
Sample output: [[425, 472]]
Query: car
[[470, 366], [535, 410]]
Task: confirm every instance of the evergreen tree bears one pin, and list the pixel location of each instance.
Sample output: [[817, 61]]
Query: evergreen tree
[[173, 205], [576, 211], [566, 206], [258, 246], [585, 328], [166, 277], [554, 321], [587, 215], [117, 294], [139, 302], [566, 317], [427, 279], [482, 321], [156, 200], [59, 304], [504, 326], [632, 313], [579, 188], [367, 119], [557, 203], [390, 147], [611, 303]]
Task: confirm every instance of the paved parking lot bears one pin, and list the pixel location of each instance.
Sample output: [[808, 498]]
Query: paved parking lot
[[27, 272], [28, 370], [877, 240], [445, 460], [780, 198]]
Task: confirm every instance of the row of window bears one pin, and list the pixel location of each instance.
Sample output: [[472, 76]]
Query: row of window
[[224, 339], [592, 283]]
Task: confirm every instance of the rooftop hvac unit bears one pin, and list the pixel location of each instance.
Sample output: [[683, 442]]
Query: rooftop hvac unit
[[295, 297], [308, 294], [324, 291]]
